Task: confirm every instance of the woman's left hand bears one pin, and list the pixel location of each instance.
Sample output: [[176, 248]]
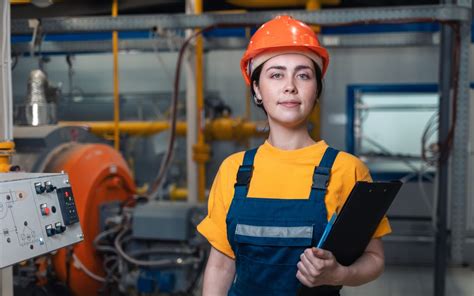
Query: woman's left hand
[[319, 267]]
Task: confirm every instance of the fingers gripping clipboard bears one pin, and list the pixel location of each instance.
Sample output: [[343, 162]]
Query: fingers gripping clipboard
[[359, 218]]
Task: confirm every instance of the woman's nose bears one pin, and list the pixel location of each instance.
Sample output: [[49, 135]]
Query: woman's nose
[[290, 86]]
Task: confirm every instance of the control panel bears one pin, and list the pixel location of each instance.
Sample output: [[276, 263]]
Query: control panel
[[38, 215]]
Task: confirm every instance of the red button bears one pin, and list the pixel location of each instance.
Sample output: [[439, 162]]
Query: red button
[[66, 193], [45, 211]]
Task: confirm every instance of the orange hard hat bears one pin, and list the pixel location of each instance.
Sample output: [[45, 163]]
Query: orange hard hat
[[283, 34]]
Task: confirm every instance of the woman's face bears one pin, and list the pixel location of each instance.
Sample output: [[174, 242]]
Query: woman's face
[[287, 88]]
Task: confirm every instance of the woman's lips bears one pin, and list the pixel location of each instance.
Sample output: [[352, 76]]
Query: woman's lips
[[290, 104]]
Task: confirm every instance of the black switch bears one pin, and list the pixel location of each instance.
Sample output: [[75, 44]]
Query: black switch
[[49, 186], [39, 188], [50, 231], [59, 227]]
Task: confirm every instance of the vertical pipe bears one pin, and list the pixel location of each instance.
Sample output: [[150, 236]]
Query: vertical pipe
[[445, 73], [116, 80], [315, 116], [248, 99], [6, 120], [200, 108], [6, 281], [460, 160], [191, 119], [6, 103]]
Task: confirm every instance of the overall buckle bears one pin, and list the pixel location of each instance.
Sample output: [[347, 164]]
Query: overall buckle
[[244, 175], [321, 178]]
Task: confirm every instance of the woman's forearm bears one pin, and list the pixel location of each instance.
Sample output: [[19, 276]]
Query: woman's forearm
[[368, 267], [219, 274]]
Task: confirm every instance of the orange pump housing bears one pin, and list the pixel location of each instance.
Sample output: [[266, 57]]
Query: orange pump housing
[[98, 174]]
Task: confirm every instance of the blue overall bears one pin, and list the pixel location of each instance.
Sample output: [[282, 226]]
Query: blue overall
[[268, 235]]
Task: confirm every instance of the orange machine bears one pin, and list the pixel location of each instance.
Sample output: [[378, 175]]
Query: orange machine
[[98, 174]]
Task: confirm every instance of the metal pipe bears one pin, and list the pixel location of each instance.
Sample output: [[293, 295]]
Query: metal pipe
[[340, 16], [218, 129], [6, 103], [403, 108], [137, 128], [201, 148], [116, 80], [177, 193], [445, 73], [13, 2], [248, 94], [191, 117], [315, 116], [276, 4], [460, 160], [6, 120]]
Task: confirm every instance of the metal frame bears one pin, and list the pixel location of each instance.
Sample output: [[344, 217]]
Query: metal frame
[[460, 153], [327, 17], [213, 43], [6, 114]]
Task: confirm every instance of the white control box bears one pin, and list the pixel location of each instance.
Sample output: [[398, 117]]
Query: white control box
[[38, 215]]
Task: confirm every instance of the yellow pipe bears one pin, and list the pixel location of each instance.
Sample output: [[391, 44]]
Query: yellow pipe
[[234, 129], [137, 128], [276, 4], [116, 80], [20, 1], [6, 150], [177, 193], [201, 149], [228, 11], [217, 129]]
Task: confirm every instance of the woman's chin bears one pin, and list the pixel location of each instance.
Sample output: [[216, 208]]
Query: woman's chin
[[290, 121]]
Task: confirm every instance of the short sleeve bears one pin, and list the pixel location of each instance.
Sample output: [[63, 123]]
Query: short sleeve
[[214, 227]]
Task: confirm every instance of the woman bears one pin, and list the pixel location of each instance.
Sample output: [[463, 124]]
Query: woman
[[269, 206]]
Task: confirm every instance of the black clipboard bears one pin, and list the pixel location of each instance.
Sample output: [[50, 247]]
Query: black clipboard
[[359, 218]]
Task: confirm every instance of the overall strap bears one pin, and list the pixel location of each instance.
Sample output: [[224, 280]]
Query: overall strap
[[322, 173], [244, 174]]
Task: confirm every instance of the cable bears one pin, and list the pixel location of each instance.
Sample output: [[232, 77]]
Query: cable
[[106, 233], [80, 265], [430, 129], [14, 61], [155, 263]]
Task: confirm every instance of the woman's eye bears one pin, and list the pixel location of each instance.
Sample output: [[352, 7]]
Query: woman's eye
[[304, 76], [276, 75]]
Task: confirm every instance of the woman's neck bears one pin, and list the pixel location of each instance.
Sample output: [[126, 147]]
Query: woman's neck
[[289, 139]]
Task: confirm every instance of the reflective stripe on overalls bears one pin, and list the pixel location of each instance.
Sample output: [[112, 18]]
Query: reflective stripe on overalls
[[268, 235]]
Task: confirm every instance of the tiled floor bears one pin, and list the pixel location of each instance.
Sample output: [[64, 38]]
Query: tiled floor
[[415, 281]]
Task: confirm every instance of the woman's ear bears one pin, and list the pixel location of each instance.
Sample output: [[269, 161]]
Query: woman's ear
[[256, 90]]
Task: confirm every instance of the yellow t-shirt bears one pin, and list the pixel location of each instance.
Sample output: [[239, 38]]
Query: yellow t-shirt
[[286, 174]]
